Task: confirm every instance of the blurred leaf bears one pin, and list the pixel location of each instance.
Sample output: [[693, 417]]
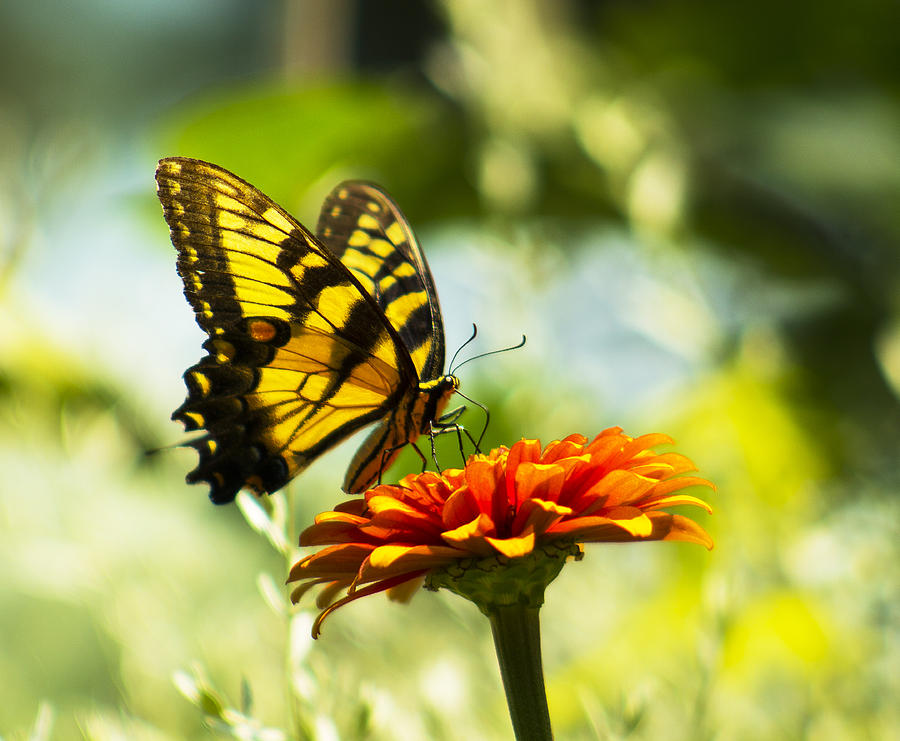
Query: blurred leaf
[[272, 594], [236, 724], [43, 723], [764, 45], [291, 142], [246, 697], [199, 694], [42, 384], [254, 510]]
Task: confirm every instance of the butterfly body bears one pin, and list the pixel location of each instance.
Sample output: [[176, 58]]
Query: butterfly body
[[414, 416], [310, 337]]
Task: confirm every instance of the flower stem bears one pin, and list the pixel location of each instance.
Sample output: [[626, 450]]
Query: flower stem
[[517, 640]]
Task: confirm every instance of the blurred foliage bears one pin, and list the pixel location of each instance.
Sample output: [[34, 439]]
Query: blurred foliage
[[690, 209]]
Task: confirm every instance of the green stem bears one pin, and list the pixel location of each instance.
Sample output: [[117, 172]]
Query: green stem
[[517, 639]]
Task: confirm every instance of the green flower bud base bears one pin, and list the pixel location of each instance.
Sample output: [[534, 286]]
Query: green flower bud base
[[499, 581]]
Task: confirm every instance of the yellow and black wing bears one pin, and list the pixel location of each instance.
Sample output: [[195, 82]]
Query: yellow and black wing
[[299, 354], [363, 227]]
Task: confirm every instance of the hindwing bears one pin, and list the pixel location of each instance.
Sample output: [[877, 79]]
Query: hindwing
[[301, 352]]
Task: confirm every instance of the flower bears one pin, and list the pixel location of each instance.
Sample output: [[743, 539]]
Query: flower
[[514, 505]]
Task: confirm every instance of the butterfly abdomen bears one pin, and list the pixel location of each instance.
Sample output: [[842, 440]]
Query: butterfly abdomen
[[412, 417]]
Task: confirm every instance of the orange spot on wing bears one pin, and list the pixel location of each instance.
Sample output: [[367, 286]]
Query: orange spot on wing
[[261, 330]]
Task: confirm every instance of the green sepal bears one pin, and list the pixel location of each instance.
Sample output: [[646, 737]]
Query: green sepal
[[500, 581]]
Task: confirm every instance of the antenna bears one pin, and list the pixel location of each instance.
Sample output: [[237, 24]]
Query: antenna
[[482, 355], [474, 334]]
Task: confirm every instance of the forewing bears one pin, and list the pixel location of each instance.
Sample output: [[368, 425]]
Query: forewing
[[363, 227], [299, 355]]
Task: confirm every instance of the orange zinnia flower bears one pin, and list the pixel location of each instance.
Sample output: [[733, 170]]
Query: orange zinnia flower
[[508, 504]]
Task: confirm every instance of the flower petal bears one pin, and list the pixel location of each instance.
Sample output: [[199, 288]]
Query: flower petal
[[625, 524], [430, 489], [524, 451], [616, 488], [351, 507], [642, 443], [592, 530], [681, 482], [603, 447], [683, 528], [298, 591], [329, 593], [390, 560], [483, 477], [471, 536], [365, 592], [539, 481], [677, 462], [404, 591], [674, 501], [461, 507], [333, 527], [632, 520], [391, 515], [519, 545], [539, 516], [568, 448], [333, 562]]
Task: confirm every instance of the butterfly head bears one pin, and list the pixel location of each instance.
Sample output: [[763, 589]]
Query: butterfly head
[[443, 387], [435, 394]]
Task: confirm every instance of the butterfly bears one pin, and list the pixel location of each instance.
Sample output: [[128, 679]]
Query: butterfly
[[310, 337]]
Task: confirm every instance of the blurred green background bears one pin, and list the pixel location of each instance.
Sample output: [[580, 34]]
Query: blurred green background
[[690, 209]]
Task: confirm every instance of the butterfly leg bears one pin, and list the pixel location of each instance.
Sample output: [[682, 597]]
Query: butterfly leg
[[448, 423], [422, 455], [433, 432], [448, 419], [459, 430], [487, 419], [388, 455]]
